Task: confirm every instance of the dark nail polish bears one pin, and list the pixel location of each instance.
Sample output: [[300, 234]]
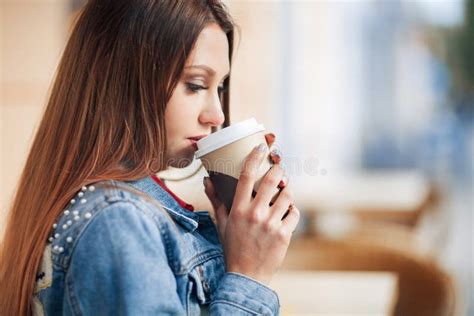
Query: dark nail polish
[[276, 159], [281, 185]]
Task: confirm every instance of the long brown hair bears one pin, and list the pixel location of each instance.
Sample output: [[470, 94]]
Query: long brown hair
[[104, 118]]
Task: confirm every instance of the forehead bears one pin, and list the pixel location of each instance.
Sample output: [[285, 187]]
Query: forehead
[[211, 49]]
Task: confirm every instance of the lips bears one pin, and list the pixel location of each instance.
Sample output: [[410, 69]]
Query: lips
[[194, 140]]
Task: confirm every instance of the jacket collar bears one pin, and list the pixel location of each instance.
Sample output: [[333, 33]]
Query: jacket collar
[[182, 216]]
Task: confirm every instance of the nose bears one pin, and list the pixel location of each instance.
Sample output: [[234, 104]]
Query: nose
[[212, 113]]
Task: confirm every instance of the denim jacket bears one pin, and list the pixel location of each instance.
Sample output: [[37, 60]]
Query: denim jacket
[[112, 252]]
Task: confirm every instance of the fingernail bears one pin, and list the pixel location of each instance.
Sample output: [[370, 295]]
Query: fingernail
[[270, 136], [276, 157], [262, 147], [276, 151], [283, 182], [281, 185]]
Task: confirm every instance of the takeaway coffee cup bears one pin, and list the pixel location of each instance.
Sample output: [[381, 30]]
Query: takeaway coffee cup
[[223, 154]]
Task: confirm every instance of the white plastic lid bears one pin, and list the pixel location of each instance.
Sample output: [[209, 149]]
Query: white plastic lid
[[227, 135]]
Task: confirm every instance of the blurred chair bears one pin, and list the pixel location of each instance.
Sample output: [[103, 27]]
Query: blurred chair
[[424, 289], [409, 219], [399, 197]]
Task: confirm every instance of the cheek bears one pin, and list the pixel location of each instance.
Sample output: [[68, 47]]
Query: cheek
[[181, 114], [181, 121]]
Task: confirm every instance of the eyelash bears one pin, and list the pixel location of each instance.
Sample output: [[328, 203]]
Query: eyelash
[[194, 88]]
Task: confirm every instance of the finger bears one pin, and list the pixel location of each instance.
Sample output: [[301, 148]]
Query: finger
[[220, 210], [275, 156], [270, 138], [211, 193], [282, 204], [290, 222], [248, 174], [283, 183], [269, 185], [222, 215]]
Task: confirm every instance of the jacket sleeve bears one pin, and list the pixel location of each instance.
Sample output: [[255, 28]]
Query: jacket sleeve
[[238, 294], [119, 266]]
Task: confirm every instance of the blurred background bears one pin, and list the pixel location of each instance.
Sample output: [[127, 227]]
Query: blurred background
[[372, 103]]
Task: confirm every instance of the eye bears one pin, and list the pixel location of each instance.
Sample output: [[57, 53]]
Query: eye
[[195, 87]]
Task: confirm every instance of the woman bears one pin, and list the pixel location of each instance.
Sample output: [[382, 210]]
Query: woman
[[91, 230]]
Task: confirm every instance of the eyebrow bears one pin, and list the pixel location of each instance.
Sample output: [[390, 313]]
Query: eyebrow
[[207, 69]]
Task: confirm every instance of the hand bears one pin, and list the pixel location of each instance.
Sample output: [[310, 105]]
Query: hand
[[254, 235], [275, 157], [274, 154]]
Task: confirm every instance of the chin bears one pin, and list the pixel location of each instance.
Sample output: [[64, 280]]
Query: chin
[[181, 161]]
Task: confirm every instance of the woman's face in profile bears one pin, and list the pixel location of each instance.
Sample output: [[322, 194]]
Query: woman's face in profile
[[195, 107]]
